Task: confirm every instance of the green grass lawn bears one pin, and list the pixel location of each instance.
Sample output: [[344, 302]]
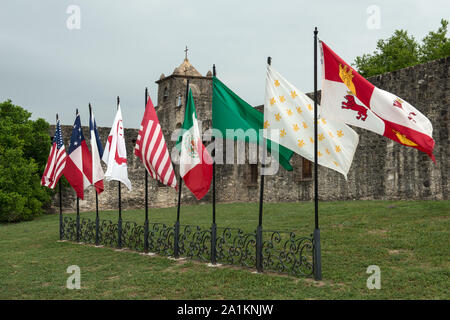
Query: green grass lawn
[[408, 240]]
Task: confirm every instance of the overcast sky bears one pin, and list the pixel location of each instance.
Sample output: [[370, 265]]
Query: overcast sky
[[124, 45]]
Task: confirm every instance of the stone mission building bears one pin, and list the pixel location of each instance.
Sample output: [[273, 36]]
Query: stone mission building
[[381, 169]]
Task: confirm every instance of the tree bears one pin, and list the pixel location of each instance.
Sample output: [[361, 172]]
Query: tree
[[402, 50], [436, 45], [24, 147], [399, 51]]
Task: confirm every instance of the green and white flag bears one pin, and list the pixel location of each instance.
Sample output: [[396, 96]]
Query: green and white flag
[[291, 112], [229, 111]]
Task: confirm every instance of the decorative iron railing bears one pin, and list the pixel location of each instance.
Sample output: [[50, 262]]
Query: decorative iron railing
[[279, 251]]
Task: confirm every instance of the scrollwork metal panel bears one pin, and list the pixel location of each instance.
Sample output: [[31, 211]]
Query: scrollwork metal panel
[[107, 233], [284, 252], [87, 230], [69, 229], [195, 243], [133, 236], [236, 247], [160, 238]]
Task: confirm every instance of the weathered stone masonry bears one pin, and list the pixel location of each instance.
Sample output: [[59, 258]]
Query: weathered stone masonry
[[381, 168]]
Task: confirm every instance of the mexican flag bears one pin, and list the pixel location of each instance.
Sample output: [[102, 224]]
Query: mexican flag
[[195, 161]]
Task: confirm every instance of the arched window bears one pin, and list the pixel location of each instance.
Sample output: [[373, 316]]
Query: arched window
[[179, 102], [166, 94]]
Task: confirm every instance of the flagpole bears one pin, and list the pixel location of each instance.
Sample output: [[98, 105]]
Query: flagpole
[[259, 255], [214, 226], [317, 259], [97, 218], [177, 224], [60, 202], [146, 192], [119, 224], [78, 204]]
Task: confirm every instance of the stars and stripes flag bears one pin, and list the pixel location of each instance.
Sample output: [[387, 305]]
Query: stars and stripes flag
[[115, 153], [56, 160], [348, 97], [151, 148], [291, 113], [97, 153], [78, 170]]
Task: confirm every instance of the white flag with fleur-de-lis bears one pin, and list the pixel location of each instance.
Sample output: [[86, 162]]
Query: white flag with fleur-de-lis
[[291, 113]]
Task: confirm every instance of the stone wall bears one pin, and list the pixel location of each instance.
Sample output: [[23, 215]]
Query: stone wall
[[381, 169]]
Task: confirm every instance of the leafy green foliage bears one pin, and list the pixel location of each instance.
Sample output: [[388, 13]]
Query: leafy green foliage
[[24, 147], [402, 50], [436, 44]]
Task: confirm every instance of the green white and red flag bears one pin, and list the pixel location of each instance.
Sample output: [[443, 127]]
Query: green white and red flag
[[195, 161], [348, 97]]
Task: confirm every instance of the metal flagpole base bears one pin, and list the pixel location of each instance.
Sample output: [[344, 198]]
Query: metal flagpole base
[[176, 238], [97, 226], [259, 247], [317, 256], [146, 236], [119, 233], [213, 244]]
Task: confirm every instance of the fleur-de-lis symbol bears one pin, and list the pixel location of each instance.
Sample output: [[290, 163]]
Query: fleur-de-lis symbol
[[304, 125], [295, 126], [324, 121], [266, 124], [282, 133], [331, 134], [340, 133], [300, 143], [294, 94], [319, 153], [273, 101], [277, 116], [277, 83], [327, 151], [289, 112], [282, 99], [309, 107], [299, 109], [321, 137], [337, 148]]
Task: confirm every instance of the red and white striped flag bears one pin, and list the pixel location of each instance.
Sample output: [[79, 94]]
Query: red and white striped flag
[[56, 160], [151, 148]]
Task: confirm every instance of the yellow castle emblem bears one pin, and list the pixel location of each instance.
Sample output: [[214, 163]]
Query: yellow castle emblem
[[345, 73], [403, 139]]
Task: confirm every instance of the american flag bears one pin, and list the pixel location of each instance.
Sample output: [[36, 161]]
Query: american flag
[[151, 148], [56, 160]]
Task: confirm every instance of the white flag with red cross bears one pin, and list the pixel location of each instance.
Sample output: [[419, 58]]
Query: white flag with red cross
[[115, 153]]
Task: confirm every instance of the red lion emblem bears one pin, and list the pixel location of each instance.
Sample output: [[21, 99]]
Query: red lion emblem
[[352, 105]]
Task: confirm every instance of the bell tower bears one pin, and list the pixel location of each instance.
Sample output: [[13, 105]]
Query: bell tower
[[172, 97]]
